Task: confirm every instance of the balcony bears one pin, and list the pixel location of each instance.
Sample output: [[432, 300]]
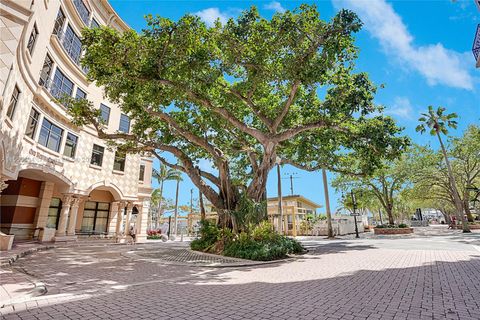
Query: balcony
[[55, 90], [72, 47], [82, 11]]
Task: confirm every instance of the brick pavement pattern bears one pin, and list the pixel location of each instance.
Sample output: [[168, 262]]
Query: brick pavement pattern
[[331, 282]]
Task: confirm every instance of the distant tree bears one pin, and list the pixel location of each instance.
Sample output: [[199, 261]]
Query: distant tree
[[438, 123], [384, 184], [161, 175]]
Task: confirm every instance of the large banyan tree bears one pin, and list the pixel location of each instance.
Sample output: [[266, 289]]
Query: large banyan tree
[[244, 95]]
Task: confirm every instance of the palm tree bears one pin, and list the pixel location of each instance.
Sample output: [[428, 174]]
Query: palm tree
[[438, 123], [163, 174], [178, 178]]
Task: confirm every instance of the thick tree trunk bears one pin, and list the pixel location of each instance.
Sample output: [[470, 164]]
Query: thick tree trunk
[[202, 207], [389, 210], [466, 205]]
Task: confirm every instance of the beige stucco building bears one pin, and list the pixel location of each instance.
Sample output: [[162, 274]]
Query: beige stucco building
[[295, 209], [59, 181]]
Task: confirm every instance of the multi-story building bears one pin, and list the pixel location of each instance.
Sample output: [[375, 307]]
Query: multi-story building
[[59, 180], [295, 209]]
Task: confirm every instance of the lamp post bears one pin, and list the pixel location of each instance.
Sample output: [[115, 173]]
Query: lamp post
[[354, 214]]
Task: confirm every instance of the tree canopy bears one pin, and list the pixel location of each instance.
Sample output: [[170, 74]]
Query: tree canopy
[[245, 95]]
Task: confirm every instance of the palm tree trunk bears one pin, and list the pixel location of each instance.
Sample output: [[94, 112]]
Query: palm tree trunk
[[456, 197], [327, 205], [176, 210], [280, 208], [159, 212]]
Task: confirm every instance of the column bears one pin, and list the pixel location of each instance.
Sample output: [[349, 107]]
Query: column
[[112, 217], [3, 184], [62, 223], [120, 208], [41, 214], [72, 221], [142, 221], [128, 216]]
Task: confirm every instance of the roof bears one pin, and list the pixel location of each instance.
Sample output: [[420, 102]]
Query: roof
[[298, 197]]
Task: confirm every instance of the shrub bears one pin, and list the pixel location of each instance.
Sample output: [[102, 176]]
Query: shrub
[[262, 244], [209, 235], [402, 225]]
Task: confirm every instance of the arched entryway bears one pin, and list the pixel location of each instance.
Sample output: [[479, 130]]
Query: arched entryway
[[31, 204], [98, 211]]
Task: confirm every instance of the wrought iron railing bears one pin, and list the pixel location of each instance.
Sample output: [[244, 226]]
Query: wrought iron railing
[[82, 11]]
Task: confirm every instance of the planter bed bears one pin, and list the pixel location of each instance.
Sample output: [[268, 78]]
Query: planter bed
[[475, 226], [393, 230]]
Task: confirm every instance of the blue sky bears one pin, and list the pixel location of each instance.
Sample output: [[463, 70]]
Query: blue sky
[[420, 51]]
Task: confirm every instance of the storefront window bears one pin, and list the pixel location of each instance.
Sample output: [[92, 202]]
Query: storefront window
[[54, 213], [95, 217]]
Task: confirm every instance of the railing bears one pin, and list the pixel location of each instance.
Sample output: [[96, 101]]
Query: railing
[[54, 89], [82, 11], [72, 49]]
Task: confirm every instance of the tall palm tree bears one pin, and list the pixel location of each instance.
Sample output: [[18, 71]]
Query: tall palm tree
[[175, 229], [438, 122], [163, 174]]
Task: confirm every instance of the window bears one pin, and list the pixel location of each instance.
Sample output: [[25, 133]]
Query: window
[[61, 85], [59, 22], [105, 113], [119, 161], [124, 123], [72, 44], [94, 24], [50, 135], [13, 102], [95, 217], [54, 213], [82, 10], [46, 71], [70, 145], [97, 155], [141, 174], [80, 94], [32, 123], [32, 39]]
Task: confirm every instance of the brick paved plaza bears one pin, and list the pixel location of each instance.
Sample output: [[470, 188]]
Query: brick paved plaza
[[410, 278]]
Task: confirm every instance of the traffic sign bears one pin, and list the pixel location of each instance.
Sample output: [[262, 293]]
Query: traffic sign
[[355, 214]]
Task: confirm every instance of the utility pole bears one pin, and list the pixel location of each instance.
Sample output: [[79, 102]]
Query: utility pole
[[280, 209], [354, 202], [191, 201], [327, 205], [176, 209]]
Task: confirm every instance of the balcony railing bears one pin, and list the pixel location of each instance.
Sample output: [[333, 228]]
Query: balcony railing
[[82, 11], [74, 50], [54, 89]]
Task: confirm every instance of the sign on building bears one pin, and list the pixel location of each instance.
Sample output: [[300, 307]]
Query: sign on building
[[476, 45]]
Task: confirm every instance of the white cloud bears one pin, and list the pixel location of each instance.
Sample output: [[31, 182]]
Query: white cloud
[[276, 6], [401, 107], [433, 61], [210, 15]]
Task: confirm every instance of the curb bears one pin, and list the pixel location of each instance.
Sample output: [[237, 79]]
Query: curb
[[15, 257], [242, 263]]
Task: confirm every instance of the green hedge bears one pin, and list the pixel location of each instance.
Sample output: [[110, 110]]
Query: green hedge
[[261, 243]]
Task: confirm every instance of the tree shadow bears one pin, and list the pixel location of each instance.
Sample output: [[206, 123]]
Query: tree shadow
[[446, 288]]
